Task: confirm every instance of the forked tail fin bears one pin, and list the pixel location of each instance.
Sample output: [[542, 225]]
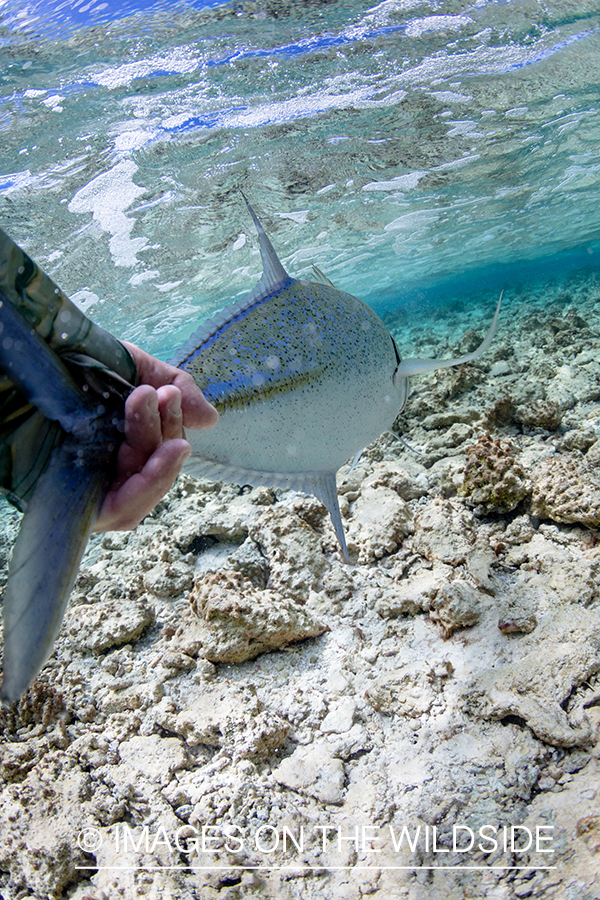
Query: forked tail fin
[[419, 366]]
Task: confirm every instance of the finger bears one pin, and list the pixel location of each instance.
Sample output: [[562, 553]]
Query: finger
[[125, 507], [169, 408], [143, 433], [143, 430], [197, 411]]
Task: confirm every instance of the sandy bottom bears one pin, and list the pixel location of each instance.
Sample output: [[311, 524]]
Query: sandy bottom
[[232, 711]]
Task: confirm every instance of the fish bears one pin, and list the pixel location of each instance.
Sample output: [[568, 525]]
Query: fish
[[63, 385], [304, 376]]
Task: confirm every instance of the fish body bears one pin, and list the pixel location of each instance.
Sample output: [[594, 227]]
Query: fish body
[[62, 394], [304, 376], [296, 394]]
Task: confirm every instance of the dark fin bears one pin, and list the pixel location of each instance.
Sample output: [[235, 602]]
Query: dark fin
[[61, 424], [55, 318], [42, 396], [25, 447], [31, 365], [39, 396], [54, 532]]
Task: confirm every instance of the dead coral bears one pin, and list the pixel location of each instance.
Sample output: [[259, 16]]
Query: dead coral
[[457, 605], [494, 478], [410, 690], [457, 381], [444, 531], [568, 330], [539, 414], [516, 616], [501, 413], [566, 489], [239, 621], [226, 715], [99, 626], [535, 413], [380, 522], [577, 439], [390, 474], [291, 546], [41, 705], [556, 657]]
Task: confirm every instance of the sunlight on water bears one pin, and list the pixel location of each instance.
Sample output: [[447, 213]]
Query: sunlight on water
[[410, 150]]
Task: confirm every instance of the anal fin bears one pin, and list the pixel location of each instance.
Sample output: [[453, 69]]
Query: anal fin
[[325, 490], [322, 486]]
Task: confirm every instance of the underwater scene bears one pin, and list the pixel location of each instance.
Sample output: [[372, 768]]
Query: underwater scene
[[250, 697]]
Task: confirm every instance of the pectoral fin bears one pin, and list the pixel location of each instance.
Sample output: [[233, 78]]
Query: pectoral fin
[[54, 531]]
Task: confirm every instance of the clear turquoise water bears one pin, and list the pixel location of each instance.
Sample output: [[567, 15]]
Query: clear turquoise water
[[412, 151]]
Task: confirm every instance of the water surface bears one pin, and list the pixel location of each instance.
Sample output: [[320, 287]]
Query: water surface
[[413, 151]]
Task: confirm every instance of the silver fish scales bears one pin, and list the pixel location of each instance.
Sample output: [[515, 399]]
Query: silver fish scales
[[304, 376]]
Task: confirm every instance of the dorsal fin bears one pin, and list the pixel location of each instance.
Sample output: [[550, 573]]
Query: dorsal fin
[[321, 278], [273, 277], [273, 272]]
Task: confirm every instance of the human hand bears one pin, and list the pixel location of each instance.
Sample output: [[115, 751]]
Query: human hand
[[154, 449]]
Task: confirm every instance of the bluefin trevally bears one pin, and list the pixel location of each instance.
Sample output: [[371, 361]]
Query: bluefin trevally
[[304, 376]]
